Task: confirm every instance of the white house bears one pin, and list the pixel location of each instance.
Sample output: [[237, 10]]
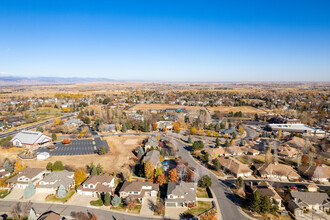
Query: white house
[[97, 185], [26, 175], [30, 138]]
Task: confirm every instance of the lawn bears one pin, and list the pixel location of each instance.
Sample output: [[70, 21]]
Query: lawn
[[199, 209], [202, 193], [120, 208], [4, 193], [98, 202], [54, 198]]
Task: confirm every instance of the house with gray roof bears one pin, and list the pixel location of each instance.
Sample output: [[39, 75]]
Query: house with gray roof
[[52, 181], [26, 175], [138, 190], [97, 185], [30, 138], [229, 131], [180, 194], [312, 201], [151, 143], [74, 122], [152, 156]]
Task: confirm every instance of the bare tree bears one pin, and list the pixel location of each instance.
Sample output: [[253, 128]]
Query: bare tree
[[20, 211]]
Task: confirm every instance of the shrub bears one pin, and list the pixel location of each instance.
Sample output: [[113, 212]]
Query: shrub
[[115, 200], [66, 141], [101, 150]]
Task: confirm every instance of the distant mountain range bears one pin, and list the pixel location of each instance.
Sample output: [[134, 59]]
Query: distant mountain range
[[17, 80]]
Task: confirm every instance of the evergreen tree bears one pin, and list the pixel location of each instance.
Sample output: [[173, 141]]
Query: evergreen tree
[[94, 171], [217, 142], [102, 150], [265, 204], [49, 166], [99, 169], [216, 164], [240, 182], [107, 199], [61, 192], [32, 215], [255, 203], [8, 166], [274, 207], [226, 143], [54, 137], [189, 140], [124, 129], [29, 191], [115, 200], [141, 151], [206, 181], [90, 167]]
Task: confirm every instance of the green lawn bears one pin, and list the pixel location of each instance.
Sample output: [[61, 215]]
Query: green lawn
[[98, 202], [120, 208], [54, 198], [199, 209], [4, 193], [202, 193], [47, 110]]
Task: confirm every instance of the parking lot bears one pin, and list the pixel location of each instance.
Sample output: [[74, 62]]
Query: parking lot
[[76, 147]]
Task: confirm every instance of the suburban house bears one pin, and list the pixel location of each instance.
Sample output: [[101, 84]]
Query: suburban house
[[312, 187], [180, 194], [52, 181], [276, 170], [316, 173], [3, 172], [151, 143], [229, 131], [265, 189], [249, 150], [235, 167], [165, 124], [97, 185], [287, 151], [30, 138], [312, 201], [138, 189], [50, 215], [74, 122], [26, 175], [153, 156]]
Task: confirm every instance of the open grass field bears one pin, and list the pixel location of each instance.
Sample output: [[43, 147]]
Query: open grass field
[[43, 110], [243, 109], [120, 155], [144, 106]]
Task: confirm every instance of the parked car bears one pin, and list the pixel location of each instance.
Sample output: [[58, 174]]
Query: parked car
[[293, 187]]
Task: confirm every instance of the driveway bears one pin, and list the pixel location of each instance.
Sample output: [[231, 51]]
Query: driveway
[[39, 197], [174, 212], [15, 194], [81, 200], [148, 205]]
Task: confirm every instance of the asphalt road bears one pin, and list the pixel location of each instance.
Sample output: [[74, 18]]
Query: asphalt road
[[10, 133], [226, 199], [250, 133], [67, 210]]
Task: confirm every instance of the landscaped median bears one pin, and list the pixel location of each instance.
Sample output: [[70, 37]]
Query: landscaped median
[[54, 198], [128, 207]]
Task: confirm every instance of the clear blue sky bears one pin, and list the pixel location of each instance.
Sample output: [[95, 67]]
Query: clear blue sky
[[165, 40]]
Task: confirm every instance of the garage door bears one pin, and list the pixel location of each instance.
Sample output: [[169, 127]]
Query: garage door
[[171, 204]]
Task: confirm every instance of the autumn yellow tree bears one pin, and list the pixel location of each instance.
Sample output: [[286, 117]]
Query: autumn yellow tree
[[149, 169], [193, 130], [232, 142], [18, 165], [268, 157], [279, 134], [79, 176]]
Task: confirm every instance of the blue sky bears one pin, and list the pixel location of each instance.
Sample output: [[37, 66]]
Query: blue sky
[[167, 40]]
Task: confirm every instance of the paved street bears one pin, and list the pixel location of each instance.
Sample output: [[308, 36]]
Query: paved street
[[226, 199], [67, 210]]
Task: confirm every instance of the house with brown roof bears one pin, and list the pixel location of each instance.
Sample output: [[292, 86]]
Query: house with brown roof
[[287, 151], [316, 173], [4, 173], [97, 185], [50, 215], [138, 190], [277, 170], [312, 201], [265, 189], [235, 167], [250, 151], [26, 175], [154, 157]]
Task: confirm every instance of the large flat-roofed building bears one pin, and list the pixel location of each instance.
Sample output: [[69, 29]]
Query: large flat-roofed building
[[297, 128]]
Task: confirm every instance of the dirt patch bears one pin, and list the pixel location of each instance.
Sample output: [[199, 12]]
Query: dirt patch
[[243, 109], [120, 155], [163, 107]]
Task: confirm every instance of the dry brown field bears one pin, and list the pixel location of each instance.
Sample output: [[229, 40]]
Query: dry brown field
[[243, 109], [120, 155], [144, 106]]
